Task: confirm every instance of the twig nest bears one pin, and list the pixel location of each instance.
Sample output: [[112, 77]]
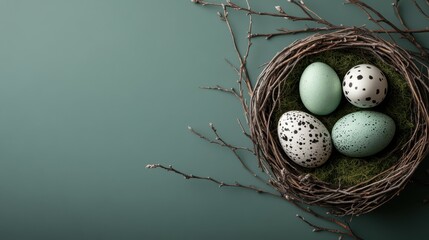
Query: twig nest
[[286, 175]]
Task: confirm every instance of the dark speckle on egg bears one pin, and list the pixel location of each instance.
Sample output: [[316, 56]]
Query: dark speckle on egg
[[362, 85], [307, 136], [362, 133]]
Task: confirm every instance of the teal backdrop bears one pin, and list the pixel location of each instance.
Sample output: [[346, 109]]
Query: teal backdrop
[[91, 91]]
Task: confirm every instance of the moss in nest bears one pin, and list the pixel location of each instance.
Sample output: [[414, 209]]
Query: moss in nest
[[347, 171], [342, 170]]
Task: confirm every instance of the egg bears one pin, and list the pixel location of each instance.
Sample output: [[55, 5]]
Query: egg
[[363, 133], [320, 89], [304, 139], [365, 86]]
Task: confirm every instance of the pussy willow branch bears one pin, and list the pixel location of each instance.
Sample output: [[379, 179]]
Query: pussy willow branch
[[243, 74], [224, 89], [245, 133], [220, 183], [398, 14], [379, 18], [234, 6], [218, 140], [344, 227], [310, 16], [234, 149], [329, 230], [284, 31]]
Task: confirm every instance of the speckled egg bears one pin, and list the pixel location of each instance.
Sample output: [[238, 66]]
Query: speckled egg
[[363, 133], [305, 139], [320, 88], [365, 86]]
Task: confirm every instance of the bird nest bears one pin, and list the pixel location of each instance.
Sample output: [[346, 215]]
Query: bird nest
[[297, 183]]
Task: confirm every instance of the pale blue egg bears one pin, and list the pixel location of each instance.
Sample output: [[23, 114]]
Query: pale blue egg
[[363, 133], [320, 89]]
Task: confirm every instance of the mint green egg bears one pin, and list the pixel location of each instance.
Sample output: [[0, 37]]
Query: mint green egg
[[320, 89], [363, 133]]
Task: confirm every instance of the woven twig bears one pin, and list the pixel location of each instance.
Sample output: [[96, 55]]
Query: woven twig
[[286, 176]]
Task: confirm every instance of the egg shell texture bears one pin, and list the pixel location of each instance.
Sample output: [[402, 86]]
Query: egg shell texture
[[320, 88], [305, 139], [365, 86], [363, 133]]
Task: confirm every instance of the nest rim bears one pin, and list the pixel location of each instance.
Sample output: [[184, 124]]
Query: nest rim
[[286, 177]]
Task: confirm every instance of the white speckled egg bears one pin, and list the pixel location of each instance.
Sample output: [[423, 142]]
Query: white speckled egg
[[365, 86], [304, 138]]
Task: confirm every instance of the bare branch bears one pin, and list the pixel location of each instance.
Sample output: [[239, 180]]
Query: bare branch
[[243, 130], [223, 89], [284, 31], [343, 225], [218, 140], [421, 9], [381, 19], [398, 15], [210, 179]]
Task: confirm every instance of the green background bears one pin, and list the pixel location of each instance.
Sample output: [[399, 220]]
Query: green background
[[93, 90]]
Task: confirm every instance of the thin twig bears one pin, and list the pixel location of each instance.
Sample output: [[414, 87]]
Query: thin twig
[[243, 130], [223, 89], [219, 183], [398, 14], [243, 70], [343, 225], [234, 149], [381, 19], [285, 32], [218, 140], [421, 9], [232, 66], [311, 16]]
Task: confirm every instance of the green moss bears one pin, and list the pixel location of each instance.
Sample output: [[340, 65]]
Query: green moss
[[342, 170]]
